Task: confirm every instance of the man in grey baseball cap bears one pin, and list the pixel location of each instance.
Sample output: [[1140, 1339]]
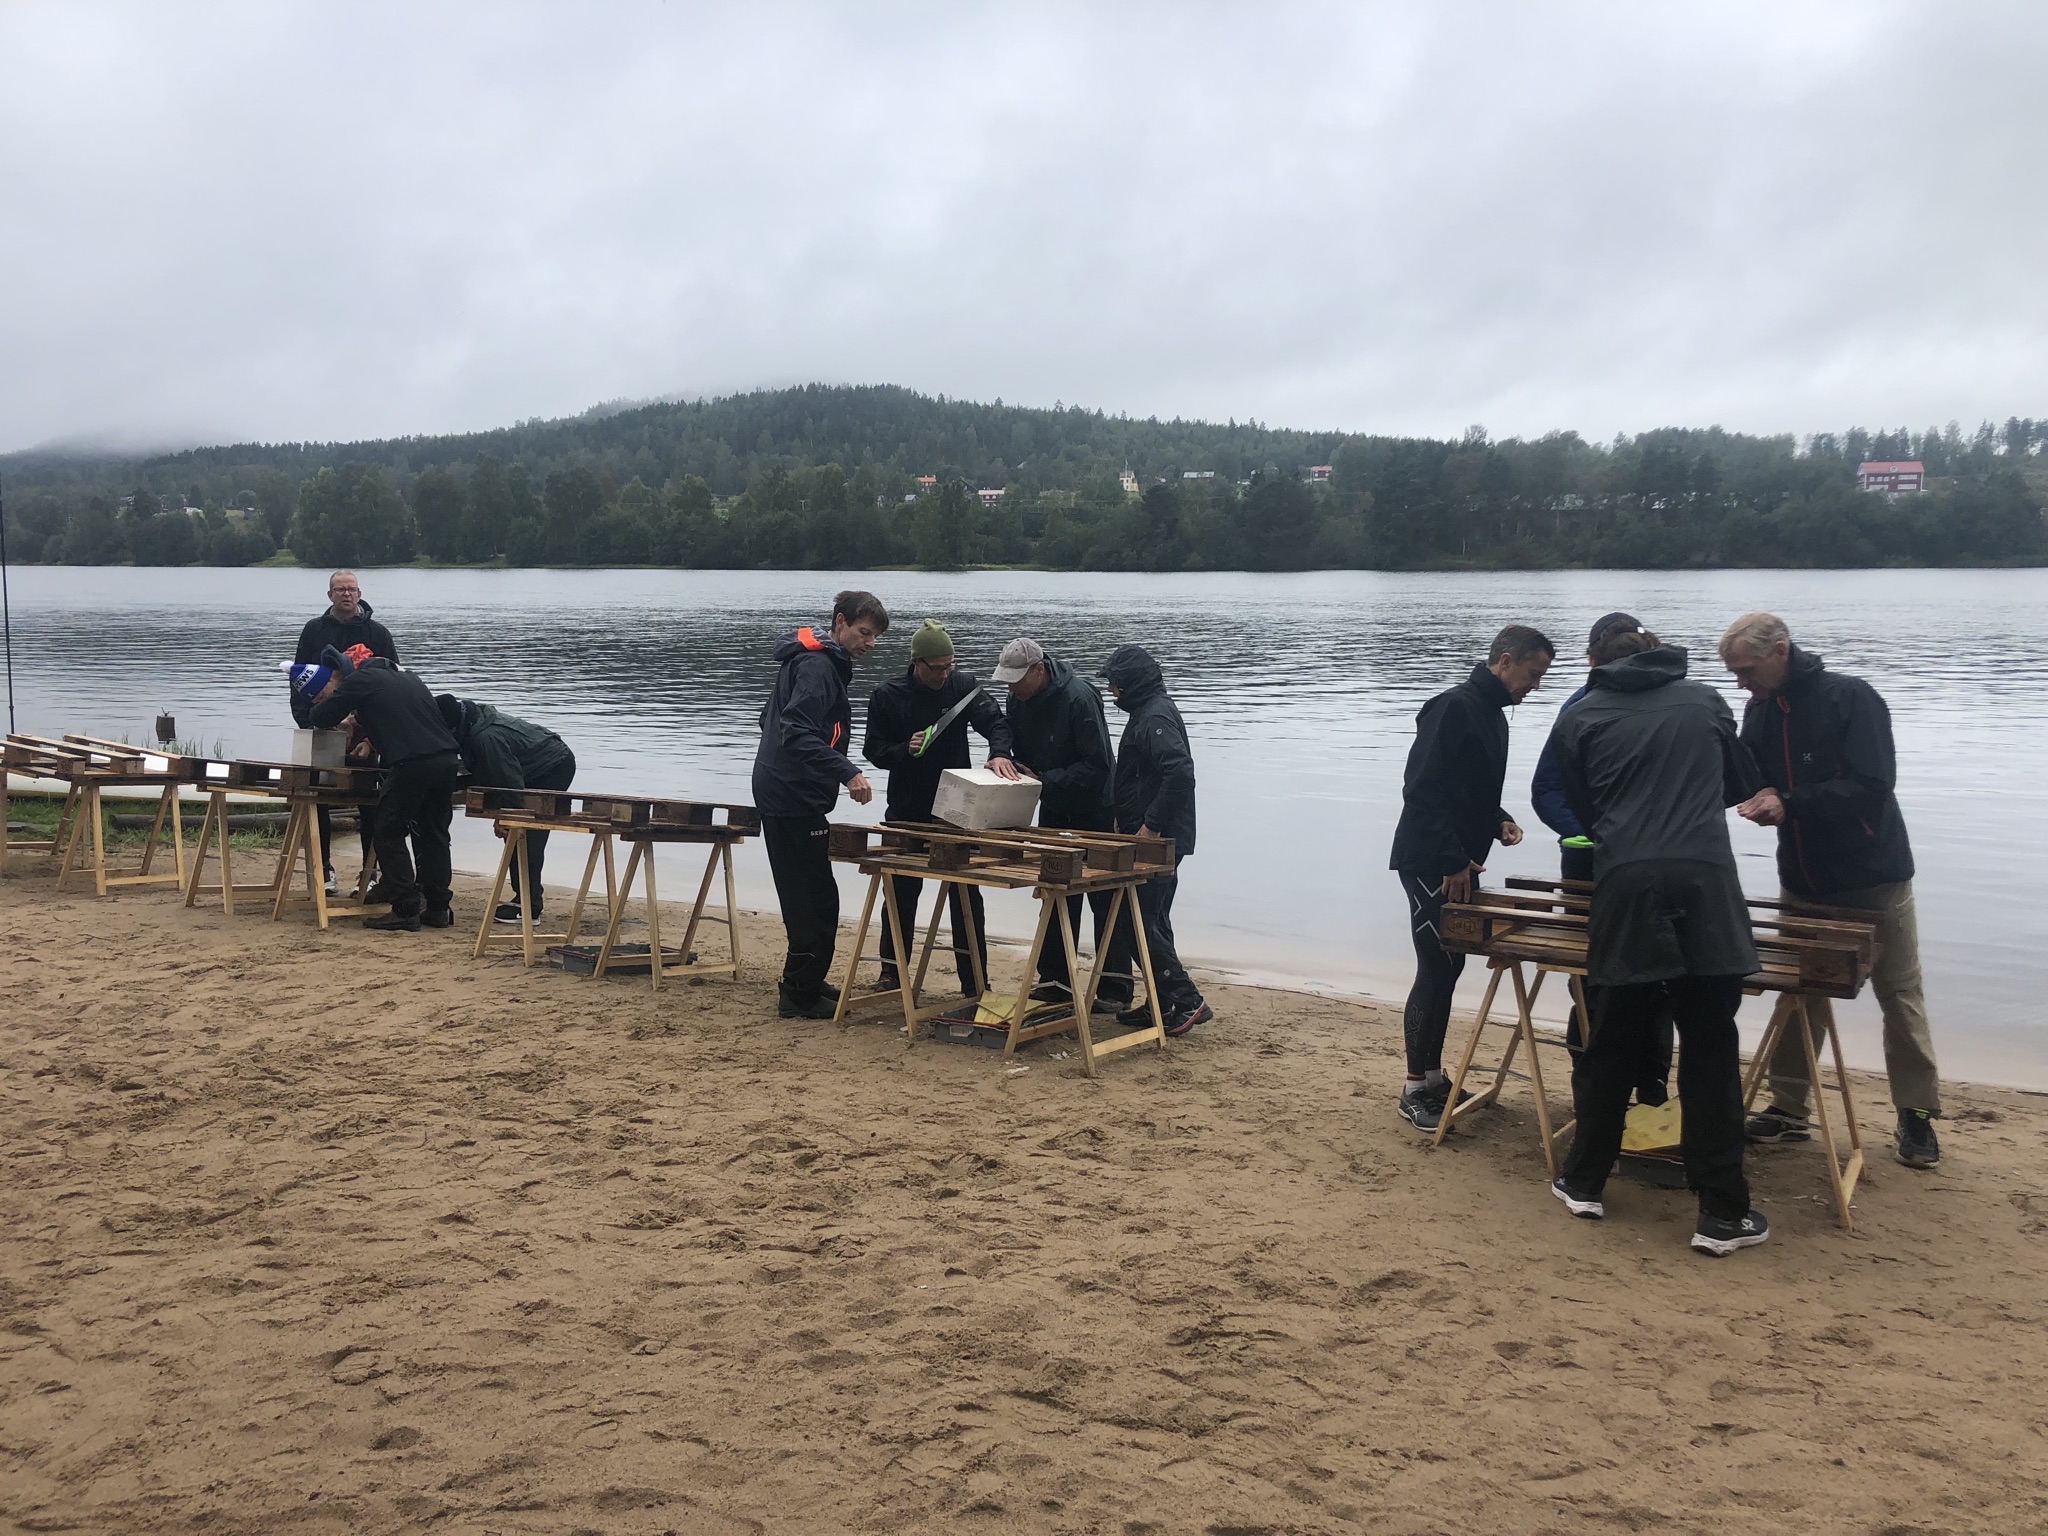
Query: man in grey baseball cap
[[1018, 658], [1061, 738]]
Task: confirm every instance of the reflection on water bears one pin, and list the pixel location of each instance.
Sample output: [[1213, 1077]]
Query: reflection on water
[[1299, 693]]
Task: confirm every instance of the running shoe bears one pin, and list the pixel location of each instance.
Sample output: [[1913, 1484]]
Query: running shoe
[[1917, 1146], [1776, 1124], [1721, 1237], [1577, 1202], [1178, 1024]]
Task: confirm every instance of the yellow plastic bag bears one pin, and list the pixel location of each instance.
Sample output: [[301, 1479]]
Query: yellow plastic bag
[[1651, 1129]]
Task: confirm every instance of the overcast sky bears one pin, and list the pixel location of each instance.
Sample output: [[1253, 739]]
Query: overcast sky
[[278, 221]]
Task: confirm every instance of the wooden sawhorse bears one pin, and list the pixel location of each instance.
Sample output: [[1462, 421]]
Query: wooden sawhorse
[[1053, 865], [215, 823], [1795, 1010], [1523, 1035], [305, 791], [641, 861], [89, 765], [514, 826]]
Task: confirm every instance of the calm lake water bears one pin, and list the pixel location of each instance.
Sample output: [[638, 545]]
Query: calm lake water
[[1299, 692]]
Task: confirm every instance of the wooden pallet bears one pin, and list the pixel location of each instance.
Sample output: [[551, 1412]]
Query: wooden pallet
[[617, 811], [1052, 855], [283, 780]]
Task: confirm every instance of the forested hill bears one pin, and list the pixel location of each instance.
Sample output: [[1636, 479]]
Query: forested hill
[[839, 476]]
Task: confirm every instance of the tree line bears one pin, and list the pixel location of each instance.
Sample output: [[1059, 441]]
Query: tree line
[[838, 478]]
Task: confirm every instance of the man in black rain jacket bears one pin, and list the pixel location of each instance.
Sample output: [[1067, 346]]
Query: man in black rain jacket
[[806, 729], [1450, 815], [420, 764], [502, 751], [1061, 736], [343, 624], [901, 714], [1823, 741], [1154, 791], [1650, 762]]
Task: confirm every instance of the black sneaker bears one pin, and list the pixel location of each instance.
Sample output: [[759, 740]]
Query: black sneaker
[[437, 917], [508, 912], [1721, 1237], [1776, 1124], [1052, 992], [1178, 1024], [333, 885], [792, 1006], [377, 896], [1139, 1017], [1423, 1107], [1112, 1008], [886, 982], [1577, 1201], [1917, 1145], [394, 922]]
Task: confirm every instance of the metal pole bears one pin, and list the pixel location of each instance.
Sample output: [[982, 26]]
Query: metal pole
[[6, 609]]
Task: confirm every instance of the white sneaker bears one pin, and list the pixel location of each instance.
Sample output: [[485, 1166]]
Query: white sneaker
[[1577, 1204]]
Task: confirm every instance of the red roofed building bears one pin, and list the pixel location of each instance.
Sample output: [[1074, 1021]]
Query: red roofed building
[[1904, 477]]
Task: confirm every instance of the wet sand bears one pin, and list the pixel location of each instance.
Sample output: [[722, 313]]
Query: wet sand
[[344, 1232]]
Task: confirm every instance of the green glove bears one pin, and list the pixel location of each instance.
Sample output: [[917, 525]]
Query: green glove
[[1581, 841]]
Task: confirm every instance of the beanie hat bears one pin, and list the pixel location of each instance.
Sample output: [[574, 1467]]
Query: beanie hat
[[359, 653], [930, 641], [306, 676]]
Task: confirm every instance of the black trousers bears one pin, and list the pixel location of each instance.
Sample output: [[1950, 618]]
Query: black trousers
[[1653, 1075], [1709, 1084], [799, 856], [415, 808], [1177, 990], [1427, 1017], [537, 842], [908, 893]]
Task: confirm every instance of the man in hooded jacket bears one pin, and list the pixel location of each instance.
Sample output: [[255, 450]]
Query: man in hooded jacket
[[1651, 761], [1154, 792], [1061, 738], [1823, 742], [806, 728], [502, 751], [902, 714], [344, 625]]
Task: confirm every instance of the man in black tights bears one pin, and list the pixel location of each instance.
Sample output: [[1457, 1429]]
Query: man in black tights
[[1450, 815]]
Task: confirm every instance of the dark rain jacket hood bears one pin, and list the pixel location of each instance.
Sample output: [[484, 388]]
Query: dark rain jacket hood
[[806, 728], [1824, 742], [899, 709], [324, 630], [1155, 769], [1062, 735], [1651, 762], [1450, 794], [501, 750]]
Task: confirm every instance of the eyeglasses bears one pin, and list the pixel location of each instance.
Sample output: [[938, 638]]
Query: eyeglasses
[[344, 591], [936, 663]]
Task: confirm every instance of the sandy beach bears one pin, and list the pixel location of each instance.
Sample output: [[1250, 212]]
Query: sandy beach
[[345, 1232]]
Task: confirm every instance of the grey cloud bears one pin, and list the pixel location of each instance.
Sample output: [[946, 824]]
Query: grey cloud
[[277, 222]]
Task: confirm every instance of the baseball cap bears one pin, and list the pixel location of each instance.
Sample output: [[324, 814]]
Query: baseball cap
[[1610, 624], [1018, 657]]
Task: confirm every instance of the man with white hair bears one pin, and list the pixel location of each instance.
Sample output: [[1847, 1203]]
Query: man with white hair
[[1823, 741]]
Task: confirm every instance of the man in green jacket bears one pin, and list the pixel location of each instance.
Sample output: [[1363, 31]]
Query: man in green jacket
[[503, 751]]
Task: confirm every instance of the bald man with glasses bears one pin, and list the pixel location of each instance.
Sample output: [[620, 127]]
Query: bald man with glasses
[[344, 623]]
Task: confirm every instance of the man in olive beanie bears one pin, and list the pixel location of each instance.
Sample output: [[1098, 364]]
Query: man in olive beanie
[[901, 715]]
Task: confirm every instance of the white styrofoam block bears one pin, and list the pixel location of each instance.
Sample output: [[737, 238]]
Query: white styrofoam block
[[320, 749], [982, 801]]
